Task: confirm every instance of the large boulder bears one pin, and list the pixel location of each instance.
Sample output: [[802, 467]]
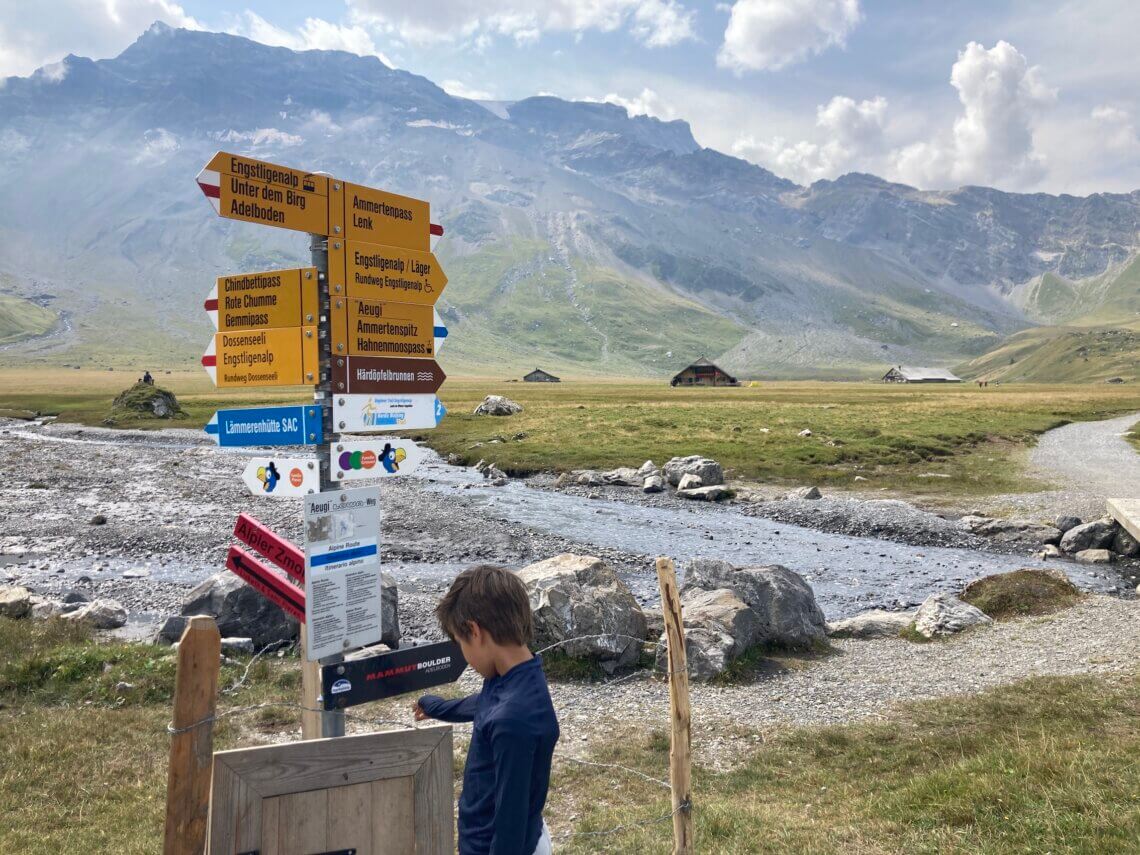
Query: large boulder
[[1066, 522], [708, 651], [725, 612], [1097, 534], [944, 614], [240, 611], [145, 399], [580, 595], [653, 484], [873, 624], [497, 405], [15, 602], [1124, 544], [783, 601], [648, 468], [709, 471], [1095, 556], [101, 614]]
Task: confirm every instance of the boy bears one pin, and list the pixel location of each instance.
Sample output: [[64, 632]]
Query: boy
[[507, 774]]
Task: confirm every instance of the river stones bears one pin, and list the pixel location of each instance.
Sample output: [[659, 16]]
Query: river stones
[[711, 493], [1095, 556], [689, 481], [653, 484]]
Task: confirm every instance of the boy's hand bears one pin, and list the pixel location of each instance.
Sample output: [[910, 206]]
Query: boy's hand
[[418, 712]]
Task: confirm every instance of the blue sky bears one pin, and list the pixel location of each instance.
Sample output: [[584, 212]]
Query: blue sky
[[1028, 96]]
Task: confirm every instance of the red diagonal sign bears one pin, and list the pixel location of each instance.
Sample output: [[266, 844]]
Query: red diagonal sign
[[271, 546], [265, 581]]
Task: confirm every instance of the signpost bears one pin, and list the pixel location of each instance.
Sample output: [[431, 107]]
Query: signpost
[[367, 460], [359, 681], [265, 581], [360, 326], [271, 546], [267, 426], [386, 218], [281, 476], [342, 571], [241, 188], [371, 413], [376, 375], [270, 357], [274, 298], [371, 328], [375, 272]]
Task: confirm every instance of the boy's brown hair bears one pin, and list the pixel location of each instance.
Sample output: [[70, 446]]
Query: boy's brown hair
[[491, 596]]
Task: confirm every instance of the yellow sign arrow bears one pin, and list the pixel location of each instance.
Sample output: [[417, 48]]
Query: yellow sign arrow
[[274, 298], [375, 272]]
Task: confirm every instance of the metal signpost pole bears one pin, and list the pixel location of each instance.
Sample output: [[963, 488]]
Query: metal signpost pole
[[331, 723]]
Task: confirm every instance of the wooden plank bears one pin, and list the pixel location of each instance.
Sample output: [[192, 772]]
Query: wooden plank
[[277, 769], [235, 812], [680, 716], [270, 832], [1127, 513], [434, 798], [393, 816], [303, 823], [191, 752], [350, 819]]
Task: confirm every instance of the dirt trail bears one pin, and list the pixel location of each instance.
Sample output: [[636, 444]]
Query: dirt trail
[[1089, 461]]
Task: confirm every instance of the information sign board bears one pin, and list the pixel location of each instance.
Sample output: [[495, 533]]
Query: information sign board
[[267, 426], [342, 571], [275, 298], [382, 374], [375, 272], [270, 357], [371, 413], [281, 476], [368, 459]]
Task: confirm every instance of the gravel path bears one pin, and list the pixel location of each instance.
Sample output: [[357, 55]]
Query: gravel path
[[1088, 461]]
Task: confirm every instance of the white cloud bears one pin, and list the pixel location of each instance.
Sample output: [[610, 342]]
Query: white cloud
[[461, 90], [1116, 129], [53, 72], [992, 140], [35, 34], [852, 136], [648, 103], [656, 23], [772, 34], [313, 34]]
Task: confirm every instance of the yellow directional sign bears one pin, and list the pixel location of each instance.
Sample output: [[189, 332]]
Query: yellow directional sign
[[269, 357], [274, 298], [371, 328], [385, 218], [376, 272], [241, 188]]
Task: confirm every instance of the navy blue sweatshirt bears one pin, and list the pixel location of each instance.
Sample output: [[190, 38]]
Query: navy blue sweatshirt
[[508, 764]]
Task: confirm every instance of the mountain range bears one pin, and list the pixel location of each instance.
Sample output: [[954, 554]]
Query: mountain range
[[577, 237]]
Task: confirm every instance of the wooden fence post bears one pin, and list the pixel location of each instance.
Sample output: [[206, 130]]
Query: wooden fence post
[[310, 691], [680, 755], [192, 751]]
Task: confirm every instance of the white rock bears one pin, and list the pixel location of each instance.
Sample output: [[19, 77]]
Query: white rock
[[101, 614], [806, 432], [873, 624], [653, 484], [497, 405], [711, 493], [237, 645], [1095, 556], [690, 482], [15, 602], [944, 614]]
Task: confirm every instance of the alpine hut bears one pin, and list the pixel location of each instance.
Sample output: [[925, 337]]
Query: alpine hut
[[540, 376], [910, 374], [703, 373]]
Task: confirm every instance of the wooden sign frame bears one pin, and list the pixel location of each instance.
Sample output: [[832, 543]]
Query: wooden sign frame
[[348, 792]]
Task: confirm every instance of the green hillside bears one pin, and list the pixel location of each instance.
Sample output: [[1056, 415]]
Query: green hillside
[[1111, 298], [519, 305], [1066, 354], [20, 319]]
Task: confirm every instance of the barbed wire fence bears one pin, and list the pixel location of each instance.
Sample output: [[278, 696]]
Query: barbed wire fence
[[650, 647]]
